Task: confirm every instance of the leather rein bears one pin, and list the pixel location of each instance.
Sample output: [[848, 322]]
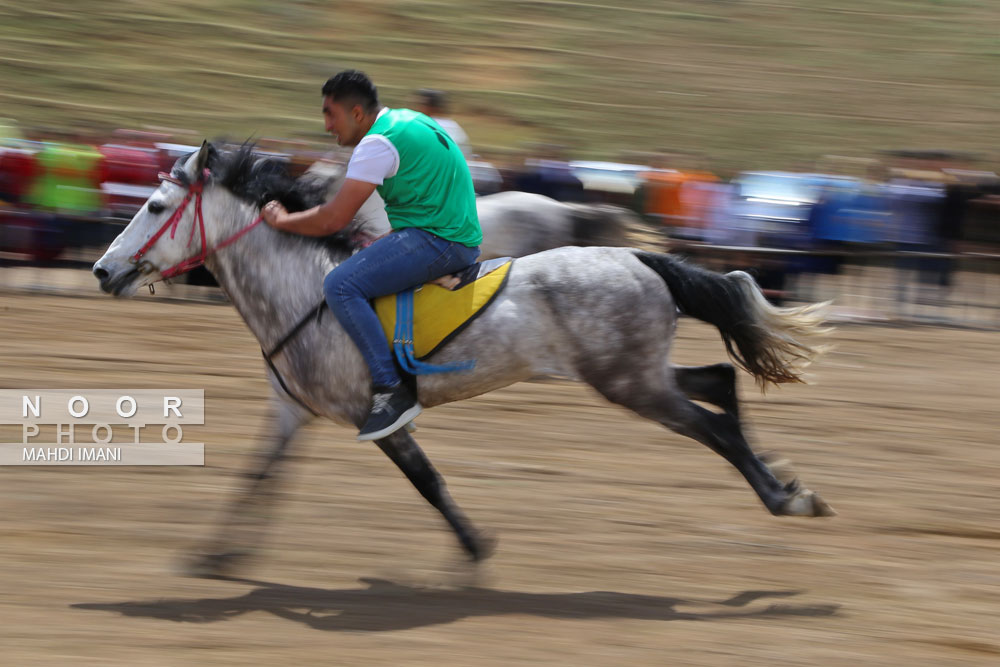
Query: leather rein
[[144, 266], [194, 193]]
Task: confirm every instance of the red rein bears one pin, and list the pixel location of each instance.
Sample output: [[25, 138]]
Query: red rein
[[195, 190]]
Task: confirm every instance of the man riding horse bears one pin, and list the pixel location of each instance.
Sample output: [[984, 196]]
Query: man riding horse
[[423, 177]]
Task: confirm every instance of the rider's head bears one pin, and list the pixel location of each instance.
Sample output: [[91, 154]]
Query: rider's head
[[350, 105]]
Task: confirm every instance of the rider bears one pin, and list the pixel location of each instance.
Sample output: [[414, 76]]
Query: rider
[[432, 103], [424, 179]]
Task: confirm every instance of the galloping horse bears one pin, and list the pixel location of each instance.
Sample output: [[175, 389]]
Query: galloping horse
[[514, 224], [603, 315]]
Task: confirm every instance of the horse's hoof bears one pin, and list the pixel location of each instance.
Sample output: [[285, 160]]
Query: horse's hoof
[[806, 503], [486, 545], [215, 566]]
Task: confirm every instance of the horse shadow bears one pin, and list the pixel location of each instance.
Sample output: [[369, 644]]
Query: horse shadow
[[381, 605]]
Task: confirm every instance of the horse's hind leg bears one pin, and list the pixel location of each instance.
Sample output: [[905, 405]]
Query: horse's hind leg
[[411, 460], [666, 403], [714, 384], [248, 514]]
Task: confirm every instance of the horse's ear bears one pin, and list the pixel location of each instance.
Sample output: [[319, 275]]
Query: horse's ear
[[204, 155]]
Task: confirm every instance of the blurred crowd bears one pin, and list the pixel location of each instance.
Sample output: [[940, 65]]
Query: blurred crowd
[[54, 188]]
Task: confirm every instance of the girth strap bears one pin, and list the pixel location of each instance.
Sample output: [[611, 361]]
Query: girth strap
[[402, 343], [316, 312], [284, 387]]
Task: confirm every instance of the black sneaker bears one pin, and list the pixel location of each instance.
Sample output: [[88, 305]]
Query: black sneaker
[[392, 409]]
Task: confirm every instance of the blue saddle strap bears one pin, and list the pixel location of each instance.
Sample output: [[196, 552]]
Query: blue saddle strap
[[402, 343]]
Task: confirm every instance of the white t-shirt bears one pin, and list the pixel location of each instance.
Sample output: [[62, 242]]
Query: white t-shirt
[[374, 158]]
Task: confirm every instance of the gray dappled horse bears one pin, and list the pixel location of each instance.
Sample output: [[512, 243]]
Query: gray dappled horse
[[514, 224], [603, 315]]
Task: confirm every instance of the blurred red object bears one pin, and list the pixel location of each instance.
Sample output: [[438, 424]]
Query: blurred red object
[[128, 176], [18, 169]]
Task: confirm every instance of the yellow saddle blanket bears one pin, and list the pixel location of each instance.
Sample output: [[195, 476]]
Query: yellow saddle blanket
[[439, 314]]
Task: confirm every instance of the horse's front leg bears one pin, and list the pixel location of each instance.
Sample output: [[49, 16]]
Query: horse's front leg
[[406, 453], [249, 513]]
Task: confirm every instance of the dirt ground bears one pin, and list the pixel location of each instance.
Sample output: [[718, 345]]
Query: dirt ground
[[620, 543]]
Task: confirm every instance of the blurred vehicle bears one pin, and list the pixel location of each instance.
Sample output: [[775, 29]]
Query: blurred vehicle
[[613, 179], [773, 207], [609, 182]]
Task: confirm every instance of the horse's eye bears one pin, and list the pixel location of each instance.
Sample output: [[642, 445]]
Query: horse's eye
[[155, 207]]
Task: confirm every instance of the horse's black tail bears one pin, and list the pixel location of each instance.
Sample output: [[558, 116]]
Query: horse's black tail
[[761, 339]]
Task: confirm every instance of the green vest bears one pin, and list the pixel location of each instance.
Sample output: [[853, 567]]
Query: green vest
[[432, 188]]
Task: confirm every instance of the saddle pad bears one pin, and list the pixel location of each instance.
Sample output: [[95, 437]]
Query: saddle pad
[[439, 314]]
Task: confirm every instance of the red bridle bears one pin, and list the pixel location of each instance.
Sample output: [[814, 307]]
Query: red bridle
[[194, 190]]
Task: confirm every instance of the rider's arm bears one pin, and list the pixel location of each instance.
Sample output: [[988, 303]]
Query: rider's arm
[[323, 220]]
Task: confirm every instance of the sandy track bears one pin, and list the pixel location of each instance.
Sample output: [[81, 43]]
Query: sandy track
[[620, 543]]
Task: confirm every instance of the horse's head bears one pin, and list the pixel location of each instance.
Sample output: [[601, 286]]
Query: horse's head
[[169, 235], [163, 234]]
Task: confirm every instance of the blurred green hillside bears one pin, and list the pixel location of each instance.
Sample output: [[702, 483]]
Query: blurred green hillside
[[763, 84]]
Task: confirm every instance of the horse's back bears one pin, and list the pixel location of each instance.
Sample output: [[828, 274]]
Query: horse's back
[[521, 223], [603, 268]]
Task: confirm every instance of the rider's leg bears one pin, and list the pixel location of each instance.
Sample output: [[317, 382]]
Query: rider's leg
[[396, 262]]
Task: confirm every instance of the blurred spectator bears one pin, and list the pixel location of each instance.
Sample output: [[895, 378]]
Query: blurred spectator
[[17, 171], [68, 179], [61, 182], [678, 200], [486, 178], [17, 163], [550, 175], [434, 104], [720, 219], [917, 206], [970, 207]]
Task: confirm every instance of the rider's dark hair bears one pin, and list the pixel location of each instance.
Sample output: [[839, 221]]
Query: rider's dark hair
[[351, 88]]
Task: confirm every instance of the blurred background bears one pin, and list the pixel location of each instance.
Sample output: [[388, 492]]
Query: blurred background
[[848, 149], [844, 151]]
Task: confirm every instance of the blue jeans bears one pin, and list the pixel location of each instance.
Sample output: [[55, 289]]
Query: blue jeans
[[403, 259]]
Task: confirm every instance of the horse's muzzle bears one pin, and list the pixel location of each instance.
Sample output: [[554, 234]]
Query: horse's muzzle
[[117, 285]]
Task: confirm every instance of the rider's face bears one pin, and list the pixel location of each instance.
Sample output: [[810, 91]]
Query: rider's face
[[343, 122]]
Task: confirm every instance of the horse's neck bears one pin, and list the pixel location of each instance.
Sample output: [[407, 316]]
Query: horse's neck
[[273, 279]]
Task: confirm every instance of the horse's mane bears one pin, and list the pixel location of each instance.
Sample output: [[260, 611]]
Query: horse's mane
[[257, 179]]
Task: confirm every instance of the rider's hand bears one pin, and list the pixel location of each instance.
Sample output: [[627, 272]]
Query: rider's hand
[[273, 212]]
